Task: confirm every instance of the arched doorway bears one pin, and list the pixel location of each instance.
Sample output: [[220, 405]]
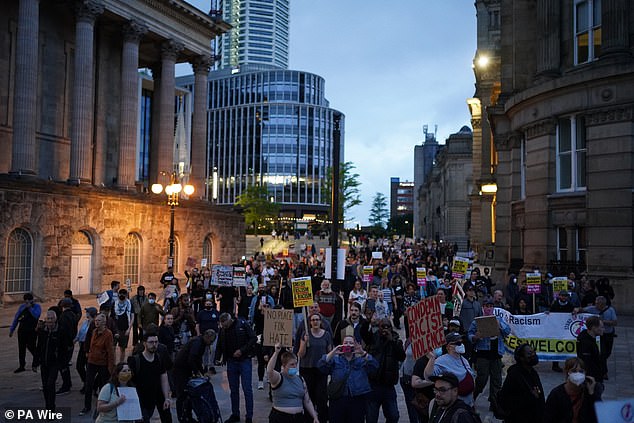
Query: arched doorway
[[81, 264]]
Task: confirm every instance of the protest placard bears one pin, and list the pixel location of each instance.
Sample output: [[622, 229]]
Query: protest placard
[[203, 262], [367, 273], [421, 276], [425, 326], [130, 409], [487, 326], [239, 276], [302, 291], [560, 283], [278, 327], [377, 255], [191, 262], [221, 275], [460, 266], [533, 283], [103, 298]]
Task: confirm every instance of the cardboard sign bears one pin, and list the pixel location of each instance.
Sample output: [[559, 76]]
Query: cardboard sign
[[239, 276], [621, 411], [487, 326], [559, 284], [203, 262], [191, 262], [367, 273], [460, 266], [278, 327], [221, 275], [421, 276], [425, 326], [302, 291], [533, 283], [377, 255], [103, 298]]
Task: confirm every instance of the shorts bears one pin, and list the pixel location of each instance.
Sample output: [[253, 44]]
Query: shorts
[[121, 339]]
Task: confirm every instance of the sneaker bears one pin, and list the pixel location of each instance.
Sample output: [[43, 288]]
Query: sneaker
[[233, 419], [84, 411], [19, 370], [260, 385], [63, 391]]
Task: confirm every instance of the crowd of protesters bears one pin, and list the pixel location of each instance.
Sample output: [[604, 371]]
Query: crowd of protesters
[[347, 357]]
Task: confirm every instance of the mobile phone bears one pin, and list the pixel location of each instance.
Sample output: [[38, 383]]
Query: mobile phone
[[346, 348]]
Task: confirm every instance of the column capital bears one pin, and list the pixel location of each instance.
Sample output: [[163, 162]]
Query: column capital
[[202, 63], [134, 30], [171, 48], [88, 10]]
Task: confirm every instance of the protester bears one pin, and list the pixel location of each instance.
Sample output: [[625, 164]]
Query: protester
[[100, 360], [561, 305], [448, 406], [348, 366], [50, 355], [150, 312], [607, 314], [329, 303], [573, 400], [109, 397], [521, 399], [289, 392], [123, 317], [25, 320], [84, 335], [588, 351], [469, 310], [235, 347], [353, 325], [137, 302], [67, 322]]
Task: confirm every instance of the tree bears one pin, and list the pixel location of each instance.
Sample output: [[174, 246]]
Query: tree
[[348, 188], [379, 212], [257, 207]]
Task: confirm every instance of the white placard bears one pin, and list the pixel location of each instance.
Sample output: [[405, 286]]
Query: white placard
[[131, 408]]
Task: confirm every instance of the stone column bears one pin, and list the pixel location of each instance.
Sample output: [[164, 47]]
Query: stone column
[[132, 33], [23, 157], [615, 28], [548, 54], [81, 135], [201, 66], [165, 157]]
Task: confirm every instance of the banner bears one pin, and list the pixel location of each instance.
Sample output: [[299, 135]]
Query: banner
[[239, 276], [221, 275], [425, 326], [421, 276], [620, 411], [460, 266], [553, 336], [278, 327], [302, 291], [367, 273], [533, 283]]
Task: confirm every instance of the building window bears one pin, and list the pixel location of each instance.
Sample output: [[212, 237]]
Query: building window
[[131, 258], [562, 244], [523, 169], [19, 262], [587, 30], [207, 249], [580, 247], [571, 154]]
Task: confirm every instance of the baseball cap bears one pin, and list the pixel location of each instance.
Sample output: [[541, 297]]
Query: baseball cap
[[92, 311], [448, 377]]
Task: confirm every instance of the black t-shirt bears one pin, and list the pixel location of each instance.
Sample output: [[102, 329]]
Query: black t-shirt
[[147, 376], [419, 370], [226, 302]]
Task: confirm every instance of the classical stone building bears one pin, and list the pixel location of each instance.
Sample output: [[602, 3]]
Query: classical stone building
[[75, 209], [563, 127], [444, 196]]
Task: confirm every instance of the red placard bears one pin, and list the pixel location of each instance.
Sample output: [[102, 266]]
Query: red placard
[[425, 326]]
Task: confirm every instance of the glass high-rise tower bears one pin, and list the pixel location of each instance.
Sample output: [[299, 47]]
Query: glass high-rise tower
[[259, 35]]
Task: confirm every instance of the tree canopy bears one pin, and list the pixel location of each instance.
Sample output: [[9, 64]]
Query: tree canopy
[[257, 207], [379, 212], [349, 193]]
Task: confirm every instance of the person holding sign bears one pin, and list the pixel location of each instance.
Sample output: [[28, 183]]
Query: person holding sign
[[288, 390], [488, 349], [109, 398]]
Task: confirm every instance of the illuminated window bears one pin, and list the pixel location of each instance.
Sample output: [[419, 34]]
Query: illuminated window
[[207, 250], [131, 258], [571, 154], [587, 30], [19, 262]]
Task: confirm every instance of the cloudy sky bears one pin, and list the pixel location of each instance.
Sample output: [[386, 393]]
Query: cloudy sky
[[390, 67]]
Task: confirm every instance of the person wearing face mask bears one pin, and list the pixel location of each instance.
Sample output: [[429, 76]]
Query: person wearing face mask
[[123, 317], [288, 389], [150, 312], [110, 398], [349, 367], [137, 302], [453, 362], [573, 400], [487, 353], [522, 395], [208, 318]]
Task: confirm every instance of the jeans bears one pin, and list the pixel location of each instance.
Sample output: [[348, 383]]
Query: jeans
[[92, 371], [382, 396], [348, 409], [240, 371], [486, 368], [64, 371], [149, 404]]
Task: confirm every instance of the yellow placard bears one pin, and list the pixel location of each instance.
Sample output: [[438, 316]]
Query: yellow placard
[[460, 266], [302, 291], [560, 284], [544, 345], [367, 273]]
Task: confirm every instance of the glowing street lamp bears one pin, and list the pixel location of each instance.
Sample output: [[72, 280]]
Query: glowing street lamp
[[172, 191]]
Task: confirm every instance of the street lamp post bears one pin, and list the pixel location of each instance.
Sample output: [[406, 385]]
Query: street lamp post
[[172, 191]]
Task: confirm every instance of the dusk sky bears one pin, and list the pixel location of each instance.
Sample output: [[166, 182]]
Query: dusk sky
[[390, 67]]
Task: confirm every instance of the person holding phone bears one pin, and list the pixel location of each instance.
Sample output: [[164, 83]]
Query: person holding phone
[[349, 366], [25, 320]]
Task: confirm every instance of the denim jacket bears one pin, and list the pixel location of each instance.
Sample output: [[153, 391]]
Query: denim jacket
[[484, 344], [359, 367]]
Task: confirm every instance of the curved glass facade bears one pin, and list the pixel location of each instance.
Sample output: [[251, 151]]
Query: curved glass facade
[[273, 127]]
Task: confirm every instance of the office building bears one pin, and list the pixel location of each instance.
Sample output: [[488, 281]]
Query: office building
[[424, 156], [401, 197]]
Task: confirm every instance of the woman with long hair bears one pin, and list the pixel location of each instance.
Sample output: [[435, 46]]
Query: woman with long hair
[[109, 397]]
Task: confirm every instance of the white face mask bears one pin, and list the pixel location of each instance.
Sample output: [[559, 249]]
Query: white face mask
[[577, 377], [460, 349]]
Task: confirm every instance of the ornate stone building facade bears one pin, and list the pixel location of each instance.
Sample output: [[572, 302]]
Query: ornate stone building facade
[[75, 213], [563, 127]]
